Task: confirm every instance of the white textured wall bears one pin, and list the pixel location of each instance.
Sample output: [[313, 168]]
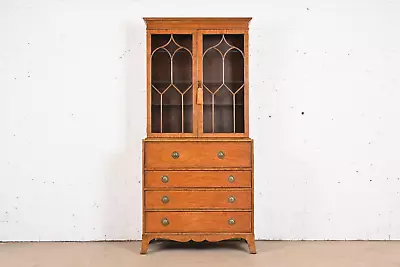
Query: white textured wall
[[72, 116]]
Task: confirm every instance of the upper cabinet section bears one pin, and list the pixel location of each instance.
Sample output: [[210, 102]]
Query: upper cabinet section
[[197, 77]]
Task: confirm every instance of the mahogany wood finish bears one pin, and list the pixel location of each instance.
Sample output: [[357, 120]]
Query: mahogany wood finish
[[198, 168]]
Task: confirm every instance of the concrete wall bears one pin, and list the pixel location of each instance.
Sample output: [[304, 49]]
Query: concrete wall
[[324, 115]]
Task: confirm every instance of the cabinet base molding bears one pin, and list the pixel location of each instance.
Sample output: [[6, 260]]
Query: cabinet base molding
[[181, 237]]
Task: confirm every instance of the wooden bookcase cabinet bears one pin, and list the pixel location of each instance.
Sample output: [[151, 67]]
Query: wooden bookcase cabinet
[[197, 158]]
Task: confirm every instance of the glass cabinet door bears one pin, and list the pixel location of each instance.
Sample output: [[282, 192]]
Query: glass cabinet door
[[223, 84], [171, 84]]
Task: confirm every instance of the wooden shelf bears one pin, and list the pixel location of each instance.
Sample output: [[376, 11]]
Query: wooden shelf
[[171, 105], [223, 105]]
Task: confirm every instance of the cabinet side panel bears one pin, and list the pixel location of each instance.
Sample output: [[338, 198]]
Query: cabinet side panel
[[148, 81], [246, 83], [252, 186], [143, 186]]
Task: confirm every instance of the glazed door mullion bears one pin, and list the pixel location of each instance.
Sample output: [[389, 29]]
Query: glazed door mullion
[[223, 77], [171, 83]]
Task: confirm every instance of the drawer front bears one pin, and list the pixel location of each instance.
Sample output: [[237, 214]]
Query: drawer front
[[198, 199], [198, 222], [167, 155], [170, 179]]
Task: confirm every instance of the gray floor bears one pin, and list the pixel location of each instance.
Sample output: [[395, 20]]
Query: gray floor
[[230, 254]]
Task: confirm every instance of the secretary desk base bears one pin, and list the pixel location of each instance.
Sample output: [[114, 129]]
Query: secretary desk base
[[249, 238]]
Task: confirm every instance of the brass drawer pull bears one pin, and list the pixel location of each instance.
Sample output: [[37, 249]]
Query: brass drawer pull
[[164, 179], [231, 199], [231, 178], [165, 199], [231, 221], [175, 154], [221, 155], [165, 221]]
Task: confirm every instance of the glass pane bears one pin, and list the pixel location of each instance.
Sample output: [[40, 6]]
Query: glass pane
[[223, 83], [172, 111], [155, 112], [188, 111], [239, 111], [171, 83], [223, 111], [234, 70], [182, 70], [212, 66], [207, 111]]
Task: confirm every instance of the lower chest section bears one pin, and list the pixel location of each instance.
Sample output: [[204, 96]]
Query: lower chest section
[[198, 187]]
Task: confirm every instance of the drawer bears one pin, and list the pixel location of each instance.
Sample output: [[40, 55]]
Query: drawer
[[197, 222], [187, 154], [201, 199], [170, 179]]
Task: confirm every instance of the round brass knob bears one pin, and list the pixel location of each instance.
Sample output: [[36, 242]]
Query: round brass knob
[[165, 199], [231, 199], [175, 154], [231, 178], [231, 221], [221, 155], [164, 179], [165, 221]]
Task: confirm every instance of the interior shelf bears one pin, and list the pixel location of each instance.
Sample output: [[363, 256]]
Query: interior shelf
[[172, 105], [223, 105], [190, 82]]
